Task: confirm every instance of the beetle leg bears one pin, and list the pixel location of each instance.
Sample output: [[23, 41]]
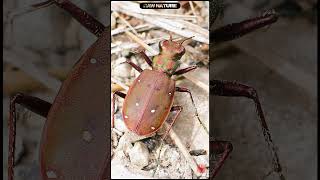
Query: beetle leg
[[141, 52], [146, 58], [121, 94], [182, 89], [173, 108], [136, 67], [185, 70], [86, 20], [236, 30], [234, 89], [89, 22], [218, 147], [34, 104]]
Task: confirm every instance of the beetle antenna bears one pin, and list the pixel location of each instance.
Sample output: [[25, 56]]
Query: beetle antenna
[[183, 40], [170, 34]]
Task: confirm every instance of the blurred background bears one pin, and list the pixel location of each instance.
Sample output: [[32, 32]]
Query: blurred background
[[39, 51], [279, 61]]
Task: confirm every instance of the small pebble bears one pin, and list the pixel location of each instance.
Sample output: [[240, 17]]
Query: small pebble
[[198, 152], [139, 155], [124, 143], [121, 71]]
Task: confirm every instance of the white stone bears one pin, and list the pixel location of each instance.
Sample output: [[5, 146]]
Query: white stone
[[139, 155], [120, 125], [121, 70], [124, 143]]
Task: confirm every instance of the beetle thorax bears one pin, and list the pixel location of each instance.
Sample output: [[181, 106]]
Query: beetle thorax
[[170, 54], [165, 63]]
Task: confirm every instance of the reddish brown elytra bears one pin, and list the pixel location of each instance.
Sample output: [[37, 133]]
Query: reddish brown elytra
[[150, 97]]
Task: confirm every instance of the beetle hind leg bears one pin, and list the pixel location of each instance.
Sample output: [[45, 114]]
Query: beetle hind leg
[[234, 89], [34, 104], [173, 108], [182, 89], [178, 109], [218, 147]]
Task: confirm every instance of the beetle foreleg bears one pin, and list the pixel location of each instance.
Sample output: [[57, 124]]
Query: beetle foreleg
[[145, 57], [34, 104], [89, 22], [182, 89], [218, 147], [136, 67], [173, 108], [185, 70], [121, 94], [234, 89], [85, 19]]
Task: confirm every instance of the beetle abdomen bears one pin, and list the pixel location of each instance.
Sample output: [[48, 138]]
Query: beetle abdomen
[[148, 102]]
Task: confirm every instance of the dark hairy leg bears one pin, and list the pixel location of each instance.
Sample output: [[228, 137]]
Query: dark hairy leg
[[178, 109], [86, 20], [35, 105], [236, 30], [218, 147], [185, 70], [173, 108], [145, 57], [182, 89], [234, 89], [136, 67]]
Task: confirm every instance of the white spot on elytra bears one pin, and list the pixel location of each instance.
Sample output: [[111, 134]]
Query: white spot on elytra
[[153, 128], [170, 93], [86, 135], [126, 117], [93, 61], [153, 110], [51, 174], [139, 80], [137, 104]]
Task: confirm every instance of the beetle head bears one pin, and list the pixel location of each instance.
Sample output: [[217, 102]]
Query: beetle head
[[175, 49]]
